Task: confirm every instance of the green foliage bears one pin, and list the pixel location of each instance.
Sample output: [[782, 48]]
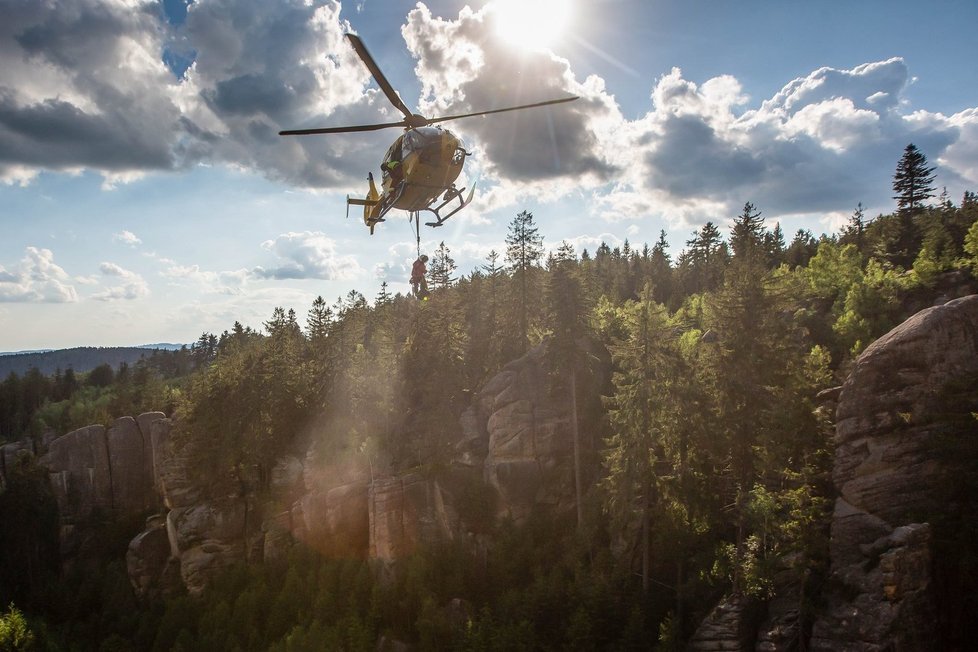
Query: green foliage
[[29, 534], [871, 306], [715, 458], [912, 180], [15, 632], [971, 247]]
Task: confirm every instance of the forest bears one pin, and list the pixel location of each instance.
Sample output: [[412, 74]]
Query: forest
[[704, 458]]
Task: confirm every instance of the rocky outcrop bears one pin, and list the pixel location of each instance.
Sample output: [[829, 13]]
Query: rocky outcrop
[[107, 469], [730, 626], [889, 474], [520, 434], [515, 438], [335, 522], [153, 571], [8, 457], [404, 512], [210, 523]]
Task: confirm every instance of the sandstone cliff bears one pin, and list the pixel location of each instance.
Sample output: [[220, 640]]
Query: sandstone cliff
[[889, 472], [98, 470], [514, 441]]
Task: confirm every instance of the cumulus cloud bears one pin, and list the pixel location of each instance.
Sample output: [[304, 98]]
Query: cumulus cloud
[[230, 282], [130, 285], [822, 143], [36, 279], [464, 66], [310, 254], [126, 238], [84, 85]]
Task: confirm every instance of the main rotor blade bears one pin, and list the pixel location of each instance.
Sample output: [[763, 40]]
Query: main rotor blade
[[341, 130], [374, 69], [511, 108]]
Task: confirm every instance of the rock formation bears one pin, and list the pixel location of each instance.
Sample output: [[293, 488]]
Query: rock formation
[[98, 470], [514, 438], [892, 421], [888, 473], [519, 434]]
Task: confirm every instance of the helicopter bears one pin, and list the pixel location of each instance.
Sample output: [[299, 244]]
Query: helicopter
[[421, 166]]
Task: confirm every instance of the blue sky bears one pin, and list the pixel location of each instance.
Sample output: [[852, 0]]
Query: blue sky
[[145, 196]]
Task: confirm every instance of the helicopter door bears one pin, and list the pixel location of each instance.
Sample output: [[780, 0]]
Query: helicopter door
[[392, 167]]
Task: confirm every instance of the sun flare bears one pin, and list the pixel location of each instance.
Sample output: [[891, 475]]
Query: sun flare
[[531, 24]]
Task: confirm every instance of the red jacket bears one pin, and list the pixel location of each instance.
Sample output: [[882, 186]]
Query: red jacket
[[418, 271]]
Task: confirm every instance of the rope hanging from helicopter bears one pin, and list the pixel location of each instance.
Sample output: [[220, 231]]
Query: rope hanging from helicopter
[[416, 217]]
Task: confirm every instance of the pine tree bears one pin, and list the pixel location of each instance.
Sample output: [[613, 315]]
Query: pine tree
[[645, 414], [568, 324], [774, 248], [484, 311], [318, 320], [660, 270], [747, 235], [912, 181], [855, 228], [204, 349], [803, 246], [442, 267], [524, 250], [749, 365], [704, 261]]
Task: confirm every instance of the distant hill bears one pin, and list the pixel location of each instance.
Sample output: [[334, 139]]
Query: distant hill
[[81, 359]]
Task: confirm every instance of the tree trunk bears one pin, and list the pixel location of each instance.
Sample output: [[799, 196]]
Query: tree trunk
[[680, 580], [577, 450], [645, 538]]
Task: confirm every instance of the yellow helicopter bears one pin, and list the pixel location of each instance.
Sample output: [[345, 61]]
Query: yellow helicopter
[[421, 166]]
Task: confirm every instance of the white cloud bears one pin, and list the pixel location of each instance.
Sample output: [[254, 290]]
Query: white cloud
[[85, 89], [130, 284], [961, 156], [309, 254], [223, 282], [36, 279], [464, 66], [126, 238], [820, 145], [837, 124]]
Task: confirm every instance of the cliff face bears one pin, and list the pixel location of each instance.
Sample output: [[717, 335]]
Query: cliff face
[[897, 414], [518, 434], [889, 470], [514, 439], [98, 470]]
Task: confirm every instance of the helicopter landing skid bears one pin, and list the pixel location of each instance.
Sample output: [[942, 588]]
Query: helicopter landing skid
[[451, 195]]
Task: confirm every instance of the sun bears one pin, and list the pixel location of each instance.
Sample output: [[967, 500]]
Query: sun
[[531, 24]]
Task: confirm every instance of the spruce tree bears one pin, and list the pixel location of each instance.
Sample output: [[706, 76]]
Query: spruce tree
[[568, 323], [318, 320], [912, 181], [747, 236], [442, 267], [524, 250], [660, 269]]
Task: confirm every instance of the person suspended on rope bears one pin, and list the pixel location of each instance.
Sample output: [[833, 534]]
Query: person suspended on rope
[[418, 281]]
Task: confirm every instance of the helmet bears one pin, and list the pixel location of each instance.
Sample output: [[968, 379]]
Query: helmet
[[424, 258]]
